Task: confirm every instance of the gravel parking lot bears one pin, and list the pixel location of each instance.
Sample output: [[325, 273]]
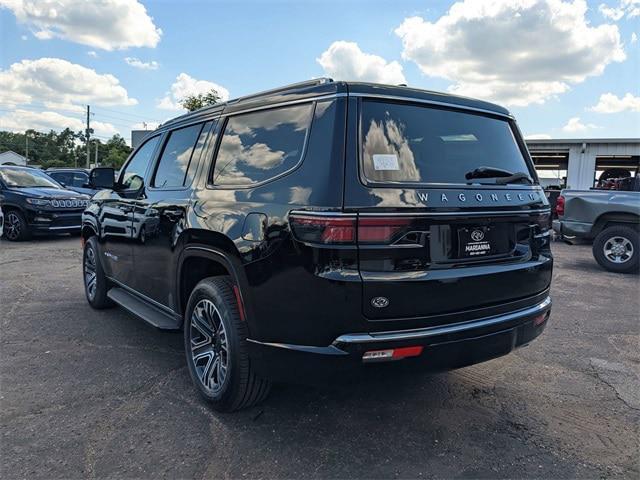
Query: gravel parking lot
[[88, 394]]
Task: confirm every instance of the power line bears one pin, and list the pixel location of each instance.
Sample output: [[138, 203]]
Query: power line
[[120, 112]]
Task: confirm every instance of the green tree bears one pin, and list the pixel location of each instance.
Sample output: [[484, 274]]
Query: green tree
[[195, 102], [117, 152]]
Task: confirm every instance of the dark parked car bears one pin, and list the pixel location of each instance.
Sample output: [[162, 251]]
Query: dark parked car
[[76, 179], [305, 233], [34, 203]]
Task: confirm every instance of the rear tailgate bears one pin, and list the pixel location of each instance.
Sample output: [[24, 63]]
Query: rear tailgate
[[435, 264], [433, 245]]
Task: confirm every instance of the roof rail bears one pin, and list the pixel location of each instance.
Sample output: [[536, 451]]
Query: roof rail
[[307, 83]]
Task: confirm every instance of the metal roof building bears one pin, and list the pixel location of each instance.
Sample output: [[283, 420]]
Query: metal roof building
[[582, 160]]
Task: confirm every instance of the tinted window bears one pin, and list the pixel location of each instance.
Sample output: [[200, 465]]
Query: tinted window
[[259, 146], [61, 177], [177, 158], [71, 179], [133, 176], [418, 144]]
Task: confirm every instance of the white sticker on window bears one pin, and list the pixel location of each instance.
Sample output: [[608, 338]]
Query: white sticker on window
[[385, 162]]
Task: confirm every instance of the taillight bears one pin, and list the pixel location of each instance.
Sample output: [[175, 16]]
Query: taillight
[[347, 229], [380, 229], [323, 229], [560, 206]]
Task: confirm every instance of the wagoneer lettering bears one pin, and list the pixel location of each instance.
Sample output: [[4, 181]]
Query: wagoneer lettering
[[315, 230]]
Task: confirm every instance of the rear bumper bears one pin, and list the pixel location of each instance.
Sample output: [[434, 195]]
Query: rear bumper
[[572, 229], [444, 347]]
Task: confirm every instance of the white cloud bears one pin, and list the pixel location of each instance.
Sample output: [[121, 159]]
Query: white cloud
[[54, 81], [516, 52], [634, 38], [186, 85], [537, 136], [92, 53], [20, 120], [108, 24], [628, 8], [610, 103], [611, 13], [137, 63], [574, 125], [345, 61]]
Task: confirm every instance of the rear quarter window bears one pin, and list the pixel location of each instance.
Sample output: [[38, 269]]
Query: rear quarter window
[[259, 146], [405, 143]]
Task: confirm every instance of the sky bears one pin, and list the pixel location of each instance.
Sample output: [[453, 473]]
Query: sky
[[564, 68]]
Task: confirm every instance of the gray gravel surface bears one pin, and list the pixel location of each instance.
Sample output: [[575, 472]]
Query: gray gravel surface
[[88, 394]]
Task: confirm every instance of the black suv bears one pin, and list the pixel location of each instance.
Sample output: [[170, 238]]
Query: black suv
[[34, 203], [306, 232]]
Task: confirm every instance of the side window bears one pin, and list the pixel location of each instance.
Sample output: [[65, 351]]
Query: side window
[[180, 156], [258, 146], [79, 179], [133, 175], [62, 177]]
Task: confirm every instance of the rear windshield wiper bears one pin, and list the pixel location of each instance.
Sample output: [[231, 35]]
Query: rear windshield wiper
[[502, 177]]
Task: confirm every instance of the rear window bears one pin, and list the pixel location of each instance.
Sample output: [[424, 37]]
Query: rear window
[[405, 143]]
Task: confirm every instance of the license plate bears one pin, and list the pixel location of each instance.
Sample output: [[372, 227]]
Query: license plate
[[476, 242]]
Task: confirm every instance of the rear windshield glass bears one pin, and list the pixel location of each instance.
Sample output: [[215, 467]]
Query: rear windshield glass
[[405, 143]]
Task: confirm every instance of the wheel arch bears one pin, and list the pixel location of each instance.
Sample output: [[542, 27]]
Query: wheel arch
[[207, 254], [609, 218]]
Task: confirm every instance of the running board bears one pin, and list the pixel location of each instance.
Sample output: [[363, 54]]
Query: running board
[[141, 309]]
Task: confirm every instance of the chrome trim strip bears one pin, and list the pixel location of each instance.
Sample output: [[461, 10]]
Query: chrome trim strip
[[435, 331], [458, 214], [429, 102], [312, 213], [334, 348], [420, 214], [65, 228]]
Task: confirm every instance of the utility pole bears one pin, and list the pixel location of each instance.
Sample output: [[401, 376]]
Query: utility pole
[[88, 133], [95, 163], [26, 147]]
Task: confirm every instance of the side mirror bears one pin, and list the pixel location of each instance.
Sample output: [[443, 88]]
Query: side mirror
[[102, 177]]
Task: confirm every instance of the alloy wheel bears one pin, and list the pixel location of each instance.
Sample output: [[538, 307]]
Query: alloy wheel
[[209, 346], [618, 249], [90, 275], [12, 226]]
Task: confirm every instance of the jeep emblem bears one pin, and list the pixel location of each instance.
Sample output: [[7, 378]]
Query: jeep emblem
[[379, 302], [477, 235]]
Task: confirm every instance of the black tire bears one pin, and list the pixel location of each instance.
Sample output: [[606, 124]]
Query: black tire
[[617, 239], [16, 228], [95, 281], [213, 333]]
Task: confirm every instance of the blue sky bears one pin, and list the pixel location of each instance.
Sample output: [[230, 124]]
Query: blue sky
[[564, 68]]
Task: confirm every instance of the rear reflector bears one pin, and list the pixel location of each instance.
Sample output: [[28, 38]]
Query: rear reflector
[[391, 354], [540, 319]]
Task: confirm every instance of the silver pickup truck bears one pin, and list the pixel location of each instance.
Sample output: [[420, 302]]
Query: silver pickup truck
[[610, 218]]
